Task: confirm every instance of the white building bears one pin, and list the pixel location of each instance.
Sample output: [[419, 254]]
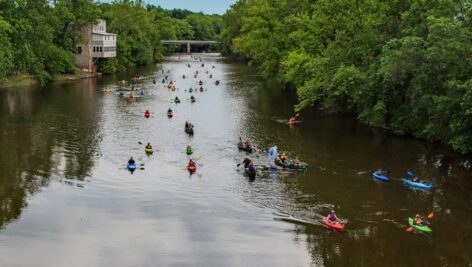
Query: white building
[[97, 44]]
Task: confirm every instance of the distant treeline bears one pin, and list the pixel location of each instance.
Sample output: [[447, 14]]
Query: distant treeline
[[39, 37], [404, 65]]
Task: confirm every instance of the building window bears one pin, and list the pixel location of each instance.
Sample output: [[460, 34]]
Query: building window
[[94, 49], [100, 49]]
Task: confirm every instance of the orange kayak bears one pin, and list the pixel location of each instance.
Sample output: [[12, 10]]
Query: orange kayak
[[336, 226], [192, 168]]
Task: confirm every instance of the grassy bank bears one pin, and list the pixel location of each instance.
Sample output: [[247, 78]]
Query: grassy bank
[[24, 80]]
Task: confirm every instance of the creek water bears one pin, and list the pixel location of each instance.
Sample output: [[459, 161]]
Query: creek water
[[67, 199]]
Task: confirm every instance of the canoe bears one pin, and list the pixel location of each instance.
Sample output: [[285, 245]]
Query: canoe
[[247, 149], [417, 184], [421, 228], [336, 226], [379, 176], [149, 150], [131, 167], [189, 131], [192, 169], [290, 166]]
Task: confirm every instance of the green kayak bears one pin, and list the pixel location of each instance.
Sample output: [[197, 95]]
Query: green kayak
[[290, 165], [189, 151], [421, 228]]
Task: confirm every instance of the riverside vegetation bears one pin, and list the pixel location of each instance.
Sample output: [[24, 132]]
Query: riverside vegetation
[[39, 37], [403, 65]]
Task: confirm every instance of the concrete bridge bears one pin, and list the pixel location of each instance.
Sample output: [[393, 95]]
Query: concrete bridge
[[189, 43]]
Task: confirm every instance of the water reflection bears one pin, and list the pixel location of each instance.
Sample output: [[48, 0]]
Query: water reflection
[[45, 134]]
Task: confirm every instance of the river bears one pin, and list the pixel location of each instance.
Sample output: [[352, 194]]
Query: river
[[66, 198]]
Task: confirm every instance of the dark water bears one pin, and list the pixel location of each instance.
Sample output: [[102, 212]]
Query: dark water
[[66, 198]]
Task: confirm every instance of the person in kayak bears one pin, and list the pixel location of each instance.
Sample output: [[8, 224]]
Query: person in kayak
[[419, 220], [332, 218], [186, 124], [381, 172], [131, 161], [283, 158], [147, 112], [183, 76], [148, 146], [191, 163], [192, 98], [169, 110], [176, 99], [246, 162], [189, 150], [292, 120]]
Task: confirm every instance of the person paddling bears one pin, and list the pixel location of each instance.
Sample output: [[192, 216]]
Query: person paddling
[[332, 218], [148, 146], [131, 161]]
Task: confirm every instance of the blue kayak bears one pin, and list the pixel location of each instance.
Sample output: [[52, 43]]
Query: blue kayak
[[380, 176], [131, 167], [417, 184]]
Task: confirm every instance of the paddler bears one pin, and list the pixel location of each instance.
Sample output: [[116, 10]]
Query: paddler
[[191, 163], [148, 146], [332, 218], [131, 161], [418, 220]]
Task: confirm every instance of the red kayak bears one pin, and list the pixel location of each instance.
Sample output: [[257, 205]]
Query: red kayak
[[291, 121], [192, 168], [147, 115], [336, 226]]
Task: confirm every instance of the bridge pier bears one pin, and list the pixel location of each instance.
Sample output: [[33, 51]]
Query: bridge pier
[[189, 50]]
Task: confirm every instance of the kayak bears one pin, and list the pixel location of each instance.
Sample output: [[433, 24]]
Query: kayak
[[417, 184], [131, 167], [169, 114], [421, 228], [290, 166], [149, 150], [176, 101], [189, 151], [189, 131], [245, 148], [147, 115], [380, 176], [291, 121], [336, 226], [192, 100], [192, 168]]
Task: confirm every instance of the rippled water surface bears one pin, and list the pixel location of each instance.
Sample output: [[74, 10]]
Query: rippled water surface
[[66, 198]]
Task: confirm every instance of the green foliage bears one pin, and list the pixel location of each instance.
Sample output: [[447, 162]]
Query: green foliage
[[39, 37], [109, 66], [403, 65]]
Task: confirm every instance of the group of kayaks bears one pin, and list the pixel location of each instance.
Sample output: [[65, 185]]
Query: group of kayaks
[[382, 176]]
